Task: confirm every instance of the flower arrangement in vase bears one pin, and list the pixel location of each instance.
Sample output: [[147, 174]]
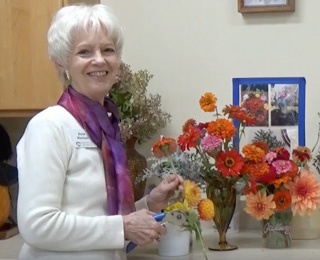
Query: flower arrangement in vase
[[190, 201], [278, 188], [211, 148]]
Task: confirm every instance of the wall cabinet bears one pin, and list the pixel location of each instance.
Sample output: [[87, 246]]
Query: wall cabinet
[[28, 79]]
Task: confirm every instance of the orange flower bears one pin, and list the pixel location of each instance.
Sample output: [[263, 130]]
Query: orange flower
[[222, 128], [255, 169], [305, 193], [164, 147], [206, 209], [229, 163], [253, 153], [262, 145], [282, 199], [260, 206], [192, 192], [208, 102]]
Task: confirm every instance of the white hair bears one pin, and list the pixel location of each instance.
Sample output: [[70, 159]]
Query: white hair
[[69, 20]]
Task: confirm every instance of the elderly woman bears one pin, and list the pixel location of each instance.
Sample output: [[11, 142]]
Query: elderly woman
[[75, 195]]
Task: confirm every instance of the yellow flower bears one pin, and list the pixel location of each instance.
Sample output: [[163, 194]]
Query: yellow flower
[[206, 209], [192, 192], [183, 206]]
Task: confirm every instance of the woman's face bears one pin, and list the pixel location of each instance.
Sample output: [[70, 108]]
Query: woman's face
[[93, 64]]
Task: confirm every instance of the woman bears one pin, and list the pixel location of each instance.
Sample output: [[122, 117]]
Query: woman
[[75, 195]]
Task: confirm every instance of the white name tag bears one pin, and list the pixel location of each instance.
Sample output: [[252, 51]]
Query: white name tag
[[81, 139]]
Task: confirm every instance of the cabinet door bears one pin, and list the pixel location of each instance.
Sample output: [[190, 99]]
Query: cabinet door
[[28, 79], [71, 2]]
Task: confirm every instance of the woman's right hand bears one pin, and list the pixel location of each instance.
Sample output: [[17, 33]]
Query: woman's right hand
[[141, 228]]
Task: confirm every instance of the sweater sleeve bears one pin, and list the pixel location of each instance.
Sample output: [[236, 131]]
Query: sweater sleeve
[[42, 159]]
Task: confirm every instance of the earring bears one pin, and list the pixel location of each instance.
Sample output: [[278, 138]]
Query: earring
[[66, 76]]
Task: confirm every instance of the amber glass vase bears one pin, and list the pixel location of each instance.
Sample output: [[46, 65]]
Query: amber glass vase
[[137, 163], [223, 195]]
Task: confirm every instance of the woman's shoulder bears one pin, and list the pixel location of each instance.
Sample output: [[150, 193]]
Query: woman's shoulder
[[54, 115]]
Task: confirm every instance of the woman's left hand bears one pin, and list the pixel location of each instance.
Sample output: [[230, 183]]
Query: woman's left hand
[[159, 197]]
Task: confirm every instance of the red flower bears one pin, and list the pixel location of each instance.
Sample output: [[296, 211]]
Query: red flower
[[282, 153], [229, 163], [189, 138]]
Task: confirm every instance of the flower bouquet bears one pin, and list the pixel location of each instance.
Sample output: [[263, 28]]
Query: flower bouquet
[[213, 144], [278, 188], [191, 203]]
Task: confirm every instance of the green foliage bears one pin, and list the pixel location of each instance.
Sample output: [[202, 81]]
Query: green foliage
[[140, 112]]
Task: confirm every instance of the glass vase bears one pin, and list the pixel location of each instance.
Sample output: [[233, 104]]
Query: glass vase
[[277, 230], [223, 195]]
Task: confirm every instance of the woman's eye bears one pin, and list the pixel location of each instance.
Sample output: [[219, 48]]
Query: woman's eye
[[84, 52], [109, 50]]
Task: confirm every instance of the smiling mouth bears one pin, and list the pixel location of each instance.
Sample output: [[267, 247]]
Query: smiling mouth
[[98, 73]]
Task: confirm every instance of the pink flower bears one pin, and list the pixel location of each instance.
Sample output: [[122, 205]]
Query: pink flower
[[270, 156], [282, 166], [305, 193], [210, 143]]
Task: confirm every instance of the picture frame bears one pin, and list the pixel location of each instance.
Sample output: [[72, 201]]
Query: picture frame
[[262, 6], [278, 106]]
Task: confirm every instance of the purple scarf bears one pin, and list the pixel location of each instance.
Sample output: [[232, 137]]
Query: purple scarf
[[105, 133]]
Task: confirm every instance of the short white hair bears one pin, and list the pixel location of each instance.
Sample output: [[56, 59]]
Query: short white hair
[[69, 20]]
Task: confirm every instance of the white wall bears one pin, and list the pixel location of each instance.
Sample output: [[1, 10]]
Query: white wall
[[195, 46]]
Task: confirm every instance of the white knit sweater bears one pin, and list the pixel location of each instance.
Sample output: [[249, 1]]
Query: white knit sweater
[[62, 211]]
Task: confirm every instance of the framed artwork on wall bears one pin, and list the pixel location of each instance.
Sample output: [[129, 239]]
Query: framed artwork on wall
[[262, 6], [278, 106]]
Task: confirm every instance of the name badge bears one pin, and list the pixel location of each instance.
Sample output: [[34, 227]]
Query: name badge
[[81, 139]]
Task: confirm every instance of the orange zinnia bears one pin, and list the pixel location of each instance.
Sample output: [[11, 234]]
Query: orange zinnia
[[222, 128], [282, 199], [208, 102], [164, 147], [253, 153]]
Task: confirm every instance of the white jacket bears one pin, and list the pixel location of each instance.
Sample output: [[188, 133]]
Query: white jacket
[[62, 210]]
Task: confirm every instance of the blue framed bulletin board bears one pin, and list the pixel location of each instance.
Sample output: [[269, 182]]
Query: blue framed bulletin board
[[278, 105]]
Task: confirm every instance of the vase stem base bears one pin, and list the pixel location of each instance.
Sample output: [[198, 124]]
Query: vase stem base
[[223, 247]]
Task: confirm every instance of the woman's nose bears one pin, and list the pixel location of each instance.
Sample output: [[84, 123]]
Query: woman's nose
[[98, 58]]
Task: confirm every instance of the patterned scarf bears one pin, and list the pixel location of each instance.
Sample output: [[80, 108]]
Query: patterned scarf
[[105, 133]]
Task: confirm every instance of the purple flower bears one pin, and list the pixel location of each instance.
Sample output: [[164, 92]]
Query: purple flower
[[210, 143]]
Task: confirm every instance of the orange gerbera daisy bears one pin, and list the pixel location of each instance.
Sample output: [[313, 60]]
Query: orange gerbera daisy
[[253, 153], [222, 128], [305, 193], [260, 206], [282, 198], [229, 163], [206, 209], [192, 192], [165, 146], [208, 102]]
